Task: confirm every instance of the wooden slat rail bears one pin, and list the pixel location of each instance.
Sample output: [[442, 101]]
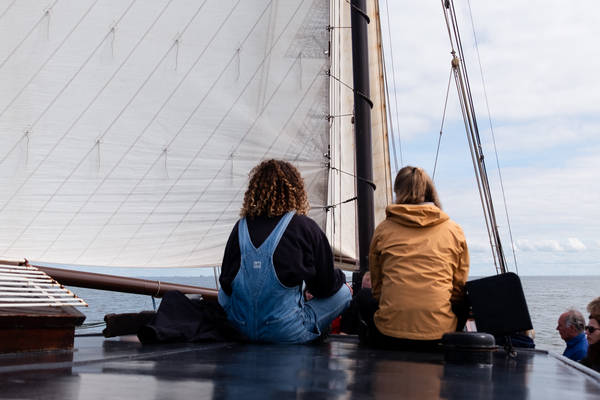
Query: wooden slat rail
[[115, 283], [26, 286]]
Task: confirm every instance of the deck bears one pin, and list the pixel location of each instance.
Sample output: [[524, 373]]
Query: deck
[[336, 369]]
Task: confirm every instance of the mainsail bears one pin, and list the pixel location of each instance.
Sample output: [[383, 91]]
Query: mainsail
[[128, 128]]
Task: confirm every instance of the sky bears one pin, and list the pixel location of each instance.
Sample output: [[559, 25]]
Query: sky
[[540, 64]]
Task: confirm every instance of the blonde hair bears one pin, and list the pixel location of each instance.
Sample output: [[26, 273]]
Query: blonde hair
[[275, 188], [413, 186], [594, 309]]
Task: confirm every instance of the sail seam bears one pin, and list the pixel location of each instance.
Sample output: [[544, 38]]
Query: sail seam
[[59, 94], [20, 92], [45, 14]]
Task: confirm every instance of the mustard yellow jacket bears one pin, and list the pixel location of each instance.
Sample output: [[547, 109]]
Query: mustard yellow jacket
[[419, 264]]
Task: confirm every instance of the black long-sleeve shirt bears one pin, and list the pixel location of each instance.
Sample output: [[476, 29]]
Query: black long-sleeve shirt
[[303, 254]]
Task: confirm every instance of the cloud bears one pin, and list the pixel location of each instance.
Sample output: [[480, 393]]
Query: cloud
[[540, 245], [575, 244], [542, 134], [478, 246], [551, 245]]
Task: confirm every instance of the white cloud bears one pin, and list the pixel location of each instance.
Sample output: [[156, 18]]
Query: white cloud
[[540, 245], [478, 246], [575, 244]]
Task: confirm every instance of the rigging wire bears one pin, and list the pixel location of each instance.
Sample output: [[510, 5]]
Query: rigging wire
[[389, 112], [487, 104], [437, 152], [470, 120], [383, 111], [389, 29]]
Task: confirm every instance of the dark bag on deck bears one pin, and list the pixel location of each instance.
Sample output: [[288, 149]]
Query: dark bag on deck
[[499, 305], [180, 319]]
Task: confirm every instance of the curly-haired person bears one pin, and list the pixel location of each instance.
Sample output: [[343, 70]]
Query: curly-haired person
[[272, 250]]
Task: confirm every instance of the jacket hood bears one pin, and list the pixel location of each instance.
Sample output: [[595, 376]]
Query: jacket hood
[[416, 215]]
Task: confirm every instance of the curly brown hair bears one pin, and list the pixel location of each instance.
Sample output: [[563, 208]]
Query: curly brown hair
[[275, 188]]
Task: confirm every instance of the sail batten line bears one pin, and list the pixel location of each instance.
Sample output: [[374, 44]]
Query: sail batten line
[[45, 15], [113, 122], [223, 70], [264, 108], [198, 152], [307, 130], [47, 156], [20, 92], [49, 106], [281, 131], [7, 9]]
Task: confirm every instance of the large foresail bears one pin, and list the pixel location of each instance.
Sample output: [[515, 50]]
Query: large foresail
[[128, 128], [342, 223]]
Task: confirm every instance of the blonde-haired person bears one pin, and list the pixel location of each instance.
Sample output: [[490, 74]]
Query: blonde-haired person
[[273, 250], [419, 263], [592, 331]]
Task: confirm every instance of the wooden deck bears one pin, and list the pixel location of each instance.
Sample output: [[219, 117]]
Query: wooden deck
[[336, 369]]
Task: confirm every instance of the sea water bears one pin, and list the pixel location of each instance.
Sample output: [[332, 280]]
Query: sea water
[[547, 297]]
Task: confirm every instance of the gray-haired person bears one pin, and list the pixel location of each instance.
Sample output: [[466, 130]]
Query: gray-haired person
[[571, 325]]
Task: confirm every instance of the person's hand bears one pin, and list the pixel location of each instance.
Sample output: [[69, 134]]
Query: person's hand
[[308, 295]]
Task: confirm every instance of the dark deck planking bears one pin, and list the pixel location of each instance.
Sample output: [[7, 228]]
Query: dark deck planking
[[337, 369]]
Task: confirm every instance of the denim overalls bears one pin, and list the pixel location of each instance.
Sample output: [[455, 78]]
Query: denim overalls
[[265, 310]]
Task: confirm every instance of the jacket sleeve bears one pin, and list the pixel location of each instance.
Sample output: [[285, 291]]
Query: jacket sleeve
[[327, 279], [460, 275], [375, 267], [231, 261]]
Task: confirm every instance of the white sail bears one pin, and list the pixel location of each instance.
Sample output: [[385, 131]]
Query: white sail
[[128, 128]]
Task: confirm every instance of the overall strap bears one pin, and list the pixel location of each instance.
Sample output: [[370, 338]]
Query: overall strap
[[244, 236], [273, 240]]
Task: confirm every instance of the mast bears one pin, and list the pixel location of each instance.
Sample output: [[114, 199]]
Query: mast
[[362, 130]]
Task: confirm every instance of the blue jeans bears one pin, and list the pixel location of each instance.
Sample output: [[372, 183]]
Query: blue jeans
[[322, 312]]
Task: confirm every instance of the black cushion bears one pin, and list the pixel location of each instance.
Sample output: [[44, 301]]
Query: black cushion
[[498, 304]]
